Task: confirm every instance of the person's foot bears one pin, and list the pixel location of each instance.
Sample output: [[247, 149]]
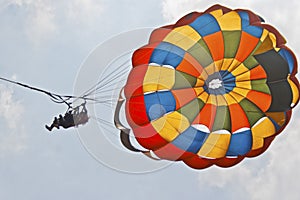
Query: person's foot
[[48, 128]]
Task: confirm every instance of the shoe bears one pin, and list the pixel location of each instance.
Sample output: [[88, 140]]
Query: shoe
[[48, 128]]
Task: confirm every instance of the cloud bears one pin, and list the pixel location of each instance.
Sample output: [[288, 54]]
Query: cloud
[[273, 175], [12, 135], [42, 20]]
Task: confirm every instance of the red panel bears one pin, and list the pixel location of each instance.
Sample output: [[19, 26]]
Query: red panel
[[159, 34], [267, 143], [187, 19], [198, 163], [134, 85], [142, 55], [228, 162], [136, 111], [148, 137], [171, 152]]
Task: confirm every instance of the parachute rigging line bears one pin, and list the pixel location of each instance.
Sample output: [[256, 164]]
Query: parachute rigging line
[[57, 98]]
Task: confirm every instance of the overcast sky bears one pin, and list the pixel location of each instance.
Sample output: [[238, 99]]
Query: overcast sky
[[45, 43]]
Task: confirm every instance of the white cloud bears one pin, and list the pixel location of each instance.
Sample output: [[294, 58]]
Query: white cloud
[[273, 175], [84, 11], [42, 20], [12, 135]]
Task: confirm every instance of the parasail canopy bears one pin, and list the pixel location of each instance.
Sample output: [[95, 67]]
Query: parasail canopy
[[211, 89]]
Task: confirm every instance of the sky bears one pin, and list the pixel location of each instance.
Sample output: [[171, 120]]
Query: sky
[[51, 44]]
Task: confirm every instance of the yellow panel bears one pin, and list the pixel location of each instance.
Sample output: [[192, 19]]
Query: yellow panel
[[212, 99], [264, 34], [230, 21], [236, 96], [203, 96], [230, 64], [234, 64], [170, 125], [295, 90], [241, 91], [273, 39], [184, 37], [217, 13], [221, 100], [215, 146], [179, 121], [199, 90], [239, 70], [265, 46], [257, 143], [200, 82], [203, 75], [244, 84], [243, 77], [262, 129], [158, 78], [219, 64], [229, 99], [210, 69]]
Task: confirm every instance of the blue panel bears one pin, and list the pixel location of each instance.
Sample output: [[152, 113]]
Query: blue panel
[[244, 16], [205, 25], [159, 103], [253, 30], [190, 140], [288, 57], [167, 54], [246, 27], [240, 143]]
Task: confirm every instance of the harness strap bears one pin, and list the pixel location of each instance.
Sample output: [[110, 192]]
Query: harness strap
[[125, 132]]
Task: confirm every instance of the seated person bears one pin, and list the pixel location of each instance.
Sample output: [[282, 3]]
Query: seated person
[[70, 119]]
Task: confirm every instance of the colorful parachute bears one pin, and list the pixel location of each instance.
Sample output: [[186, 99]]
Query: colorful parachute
[[213, 88]]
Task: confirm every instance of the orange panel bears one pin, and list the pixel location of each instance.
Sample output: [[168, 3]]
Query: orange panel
[[215, 44], [238, 117], [190, 66], [206, 116], [257, 73], [261, 100], [183, 96], [247, 45]]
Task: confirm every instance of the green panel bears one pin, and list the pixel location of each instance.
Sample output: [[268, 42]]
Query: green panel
[[201, 53], [252, 111], [250, 62], [260, 86], [231, 43], [222, 119], [192, 109], [184, 80]]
